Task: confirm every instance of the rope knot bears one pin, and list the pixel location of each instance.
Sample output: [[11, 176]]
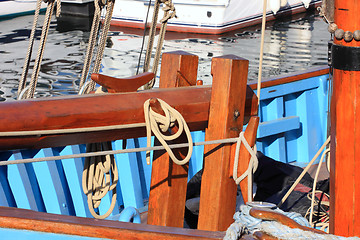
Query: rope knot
[[160, 124], [169, 11]]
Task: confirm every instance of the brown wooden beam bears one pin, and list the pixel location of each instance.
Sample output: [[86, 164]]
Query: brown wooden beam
[[218, 190], [15, 218], [169, 180], [95, 110]]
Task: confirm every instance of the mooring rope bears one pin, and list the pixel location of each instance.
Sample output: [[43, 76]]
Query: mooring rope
[[159, 124]]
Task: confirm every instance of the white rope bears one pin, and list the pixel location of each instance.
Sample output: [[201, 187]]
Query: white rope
[[253, 163], [159, 124], [101, 153], [263, 23]]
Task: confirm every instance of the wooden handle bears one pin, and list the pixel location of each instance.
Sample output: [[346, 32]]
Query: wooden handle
[[275, 216], [117, 85]]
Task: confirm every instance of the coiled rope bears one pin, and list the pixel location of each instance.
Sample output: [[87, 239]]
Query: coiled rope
[[159, 124], [100, 176], [245, 224]]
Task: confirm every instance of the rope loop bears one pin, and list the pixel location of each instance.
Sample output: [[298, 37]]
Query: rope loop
[[159, 125]]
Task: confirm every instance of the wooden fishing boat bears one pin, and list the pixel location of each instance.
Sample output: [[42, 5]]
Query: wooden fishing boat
[[43, 196], [195, 104]]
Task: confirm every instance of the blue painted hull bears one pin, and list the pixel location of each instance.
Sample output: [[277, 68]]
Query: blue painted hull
[[293, 127]]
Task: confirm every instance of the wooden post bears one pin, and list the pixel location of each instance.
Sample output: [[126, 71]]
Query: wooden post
[[345, 125], [218, 190], [168, 180]]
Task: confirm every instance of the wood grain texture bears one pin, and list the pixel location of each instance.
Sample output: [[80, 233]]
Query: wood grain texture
[[218, 190], [169, 180], [345, 133], [44, 222]]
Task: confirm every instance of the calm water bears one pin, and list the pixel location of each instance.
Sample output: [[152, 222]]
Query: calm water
[[290, 45]]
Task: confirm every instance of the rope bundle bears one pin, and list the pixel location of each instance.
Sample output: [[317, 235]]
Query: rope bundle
[[160, 124], [100, 176]]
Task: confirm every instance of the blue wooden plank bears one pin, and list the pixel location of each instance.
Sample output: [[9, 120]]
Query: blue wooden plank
[[6, 196], [129, 176], [197, 158], [50, 177], [277, 126], [288, 88], [23, 183], [144, 168], [73, 169]]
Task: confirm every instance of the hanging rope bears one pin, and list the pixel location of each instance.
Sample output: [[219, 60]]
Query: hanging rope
[[169, 12], [92, 41], [263, 24], [22, 81], [253, 163], [159, 124], [45, 30], [102, 43], [100, 176]]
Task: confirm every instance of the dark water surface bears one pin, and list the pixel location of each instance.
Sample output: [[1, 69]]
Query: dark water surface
[[290, 45]]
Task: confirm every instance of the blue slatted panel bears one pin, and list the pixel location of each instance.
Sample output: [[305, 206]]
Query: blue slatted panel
[[23, 183], [6, 196], [51, 179], [73, 171], [129, 178]]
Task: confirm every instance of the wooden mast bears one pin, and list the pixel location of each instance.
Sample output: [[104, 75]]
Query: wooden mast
[[345, 124]]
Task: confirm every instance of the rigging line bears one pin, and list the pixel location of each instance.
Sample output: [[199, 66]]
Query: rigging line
[[263, 23], [143, 40], [70, 130], [101, 153]]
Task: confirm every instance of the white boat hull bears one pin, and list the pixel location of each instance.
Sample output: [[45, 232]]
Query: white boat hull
[[205, 16], [18, 7]]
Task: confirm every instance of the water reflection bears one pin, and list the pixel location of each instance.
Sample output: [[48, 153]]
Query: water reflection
[[291, 45]]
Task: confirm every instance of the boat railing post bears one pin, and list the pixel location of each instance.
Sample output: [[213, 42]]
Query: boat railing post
[[168, 180], [218, 189]]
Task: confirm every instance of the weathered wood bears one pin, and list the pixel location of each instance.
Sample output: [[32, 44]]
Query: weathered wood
[[44, 222], [345, 133], [218, 190], [244, 155], [169, 180], [117, 85]]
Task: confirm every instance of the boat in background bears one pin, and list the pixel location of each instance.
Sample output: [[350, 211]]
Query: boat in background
[[15, 8], [207, 16]]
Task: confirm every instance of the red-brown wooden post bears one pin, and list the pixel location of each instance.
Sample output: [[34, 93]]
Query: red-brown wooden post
[[218, 189], [345, 125], [168, 180]]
